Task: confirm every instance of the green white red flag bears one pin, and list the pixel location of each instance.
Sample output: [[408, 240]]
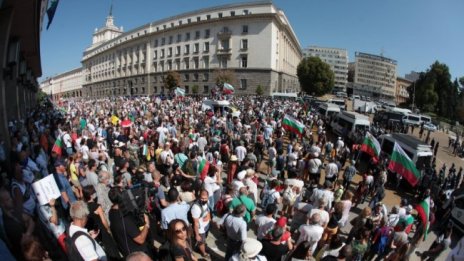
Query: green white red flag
[[423, 210], [371, 146], [203, 168], [293, 125], [58, 147], [228, 89], [403, 165]]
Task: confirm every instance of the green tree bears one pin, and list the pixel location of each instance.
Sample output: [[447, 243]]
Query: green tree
[[461, 81], [259, 90], [224, 76], [172, 80], [195, 89], [315, 76]]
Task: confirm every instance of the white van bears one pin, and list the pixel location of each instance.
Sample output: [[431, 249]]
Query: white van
[[425, 119], [401, 110], [326, 110], [412, 119], [418, 151], [339, 102], [346, 123], [222, 106]]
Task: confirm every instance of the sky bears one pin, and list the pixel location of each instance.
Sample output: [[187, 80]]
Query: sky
[[415, 33]]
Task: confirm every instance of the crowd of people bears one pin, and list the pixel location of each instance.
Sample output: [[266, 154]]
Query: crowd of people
[[151, 178]]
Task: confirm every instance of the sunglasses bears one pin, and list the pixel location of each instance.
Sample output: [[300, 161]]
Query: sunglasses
[[183, 229]]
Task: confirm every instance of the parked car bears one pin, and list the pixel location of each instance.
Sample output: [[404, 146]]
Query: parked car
[[430, 126]]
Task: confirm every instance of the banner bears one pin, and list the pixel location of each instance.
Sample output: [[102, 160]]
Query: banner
[[46, 189]]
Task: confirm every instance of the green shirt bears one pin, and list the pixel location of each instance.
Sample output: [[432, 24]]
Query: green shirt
[[249, 205]]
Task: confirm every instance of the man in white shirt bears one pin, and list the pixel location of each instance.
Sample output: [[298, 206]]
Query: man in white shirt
[[241, 152], [84, 241], [323, 193], [265, 221], [314, 165], [312, 232], [331, 171], [201, 216]]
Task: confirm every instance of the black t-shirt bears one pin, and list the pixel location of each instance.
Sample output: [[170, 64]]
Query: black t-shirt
[[178, 251], [333, 221], [124, 230], [273, 252]]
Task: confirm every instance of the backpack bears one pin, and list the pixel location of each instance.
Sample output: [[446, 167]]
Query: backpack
[[189, 213], [70, 243], [268, 198]]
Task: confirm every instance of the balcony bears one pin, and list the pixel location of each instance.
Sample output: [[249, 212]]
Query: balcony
[[224, 34], [223, 51]]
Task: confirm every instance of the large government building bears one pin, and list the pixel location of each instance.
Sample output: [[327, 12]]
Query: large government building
[[338, 61], [254, 41]]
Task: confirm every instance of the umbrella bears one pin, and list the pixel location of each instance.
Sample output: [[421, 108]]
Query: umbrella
[[126, 123]]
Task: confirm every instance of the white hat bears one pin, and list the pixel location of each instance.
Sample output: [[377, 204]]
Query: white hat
[[241, 174], [251, 247], [120, 144]]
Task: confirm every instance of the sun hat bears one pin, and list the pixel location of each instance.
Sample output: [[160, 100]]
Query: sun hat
[[233, 158], [251, 247]]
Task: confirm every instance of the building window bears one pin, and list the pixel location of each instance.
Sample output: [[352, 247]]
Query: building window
[[198, 19], [205, 77], [187, 89], [169, 51], [177, 50], [180, 22], [208, 17], [195, 76], [162, 53], [223, 63], [225, 44], [245, 12], [155, 54], [164, 26], [186, 63], [220, 15], [206, 47], [189, 21], [186, 77], [170, 39], [187, 49], [244, 44], [232, 13], [169, 65], [245, 29], [177, 66], [163, 41], [156, 43], [195, 63], [179, 38], [206, 89], [243, 84], [172, 25], [244, 61], [206, 62], [197, 34], [187, 36], [207, 33], [196, 48]]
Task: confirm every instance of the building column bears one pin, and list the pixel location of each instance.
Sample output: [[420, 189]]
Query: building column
[[6, 18]]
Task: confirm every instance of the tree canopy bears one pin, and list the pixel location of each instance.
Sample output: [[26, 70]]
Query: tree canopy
[[434, 91], [224, 76], [315, 76], [172, 80]]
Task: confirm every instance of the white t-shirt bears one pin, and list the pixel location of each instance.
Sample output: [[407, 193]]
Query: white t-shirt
[[85, 246], [264, 224], [210, 185], [314, 165], [204, 219], [324, 215]]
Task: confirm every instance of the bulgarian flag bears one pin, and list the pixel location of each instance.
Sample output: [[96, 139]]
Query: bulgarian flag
[[423, 210], [228, 89], [179, 92], [291, 124], [58, 147], [403, 165], [203, 168], [371, 146]]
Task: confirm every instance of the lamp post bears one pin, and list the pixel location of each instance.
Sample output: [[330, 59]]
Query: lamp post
[[413, 95]]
